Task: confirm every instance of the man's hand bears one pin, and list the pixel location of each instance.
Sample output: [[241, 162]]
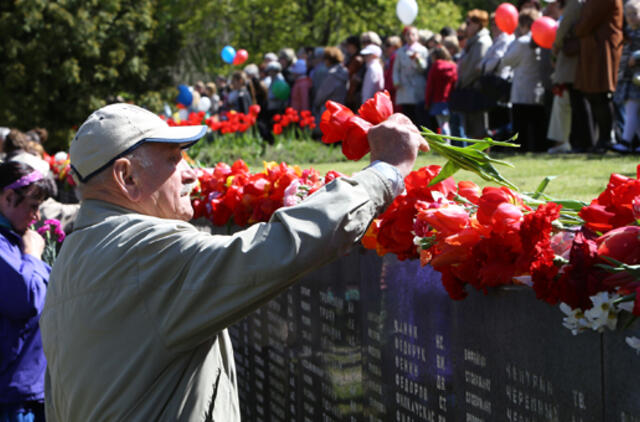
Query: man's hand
[[33, 243], [396, 141]]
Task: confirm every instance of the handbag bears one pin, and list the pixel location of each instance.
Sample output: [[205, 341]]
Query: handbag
[[493, 87], [468, 100], [481, 95]]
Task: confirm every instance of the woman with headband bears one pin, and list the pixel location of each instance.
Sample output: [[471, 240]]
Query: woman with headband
[[23, 285]]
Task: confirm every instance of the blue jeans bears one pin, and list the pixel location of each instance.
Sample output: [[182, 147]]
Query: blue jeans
[[22, 412]]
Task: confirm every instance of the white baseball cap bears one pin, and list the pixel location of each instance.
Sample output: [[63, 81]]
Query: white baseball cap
[[372, 49], [116, 130]]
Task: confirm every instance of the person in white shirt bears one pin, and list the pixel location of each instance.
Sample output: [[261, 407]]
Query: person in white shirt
[[374, 76]]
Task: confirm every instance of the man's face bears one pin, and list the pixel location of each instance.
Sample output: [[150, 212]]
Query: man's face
[[411, 36], [166, 181]]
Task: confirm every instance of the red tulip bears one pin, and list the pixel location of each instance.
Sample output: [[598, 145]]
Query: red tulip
[[333, 122], [469, 191], [377, 109], [506, 217], [355, 144], [254, 109], [621, 244], [446, 220], [492, 197]]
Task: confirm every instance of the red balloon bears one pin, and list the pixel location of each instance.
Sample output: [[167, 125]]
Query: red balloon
[[241, 57], [507, 18], [543, 31]]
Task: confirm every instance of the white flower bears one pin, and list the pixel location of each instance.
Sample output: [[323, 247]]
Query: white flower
[[574, 320], [626, 306], [634, 343], [603, 313]]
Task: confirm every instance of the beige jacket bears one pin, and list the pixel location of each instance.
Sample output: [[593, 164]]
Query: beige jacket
[[565, 70], [134, 322]]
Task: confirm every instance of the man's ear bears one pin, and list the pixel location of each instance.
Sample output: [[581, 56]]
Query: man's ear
[[126, 179]]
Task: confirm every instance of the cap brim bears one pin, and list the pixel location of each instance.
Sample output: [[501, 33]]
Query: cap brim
[[186, 135]]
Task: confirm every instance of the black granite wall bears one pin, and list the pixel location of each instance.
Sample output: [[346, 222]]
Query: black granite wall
[[372, 339]]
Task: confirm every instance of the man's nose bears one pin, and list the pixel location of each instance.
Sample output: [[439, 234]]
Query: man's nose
[[188, 174]]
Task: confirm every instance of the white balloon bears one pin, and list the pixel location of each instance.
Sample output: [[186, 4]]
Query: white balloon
[[183, 114], [204, 104], [407, 10]]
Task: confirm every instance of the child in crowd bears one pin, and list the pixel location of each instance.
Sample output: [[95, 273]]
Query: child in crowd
[[239, 98], [301, 86], [212, 93], [374, 76], [442, 77]]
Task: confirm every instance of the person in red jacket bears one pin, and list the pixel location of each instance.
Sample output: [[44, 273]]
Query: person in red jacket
[[441, 79]]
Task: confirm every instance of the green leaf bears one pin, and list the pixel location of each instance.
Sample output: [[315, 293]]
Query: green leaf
[[542, 186], [449, 169]]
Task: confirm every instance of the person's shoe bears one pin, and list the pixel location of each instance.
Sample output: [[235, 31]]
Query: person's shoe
[[600, 149], [562, 148], [622, 147]]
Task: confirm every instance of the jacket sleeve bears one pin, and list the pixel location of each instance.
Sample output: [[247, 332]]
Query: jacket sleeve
[[428, 92], [570, 15], [592, 15], [23, 283], [513, 56], [396, 68], [490, 62], [223, 278], [324, 91]]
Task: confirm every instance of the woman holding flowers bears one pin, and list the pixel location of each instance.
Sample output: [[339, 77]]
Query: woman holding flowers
[[23, 283]]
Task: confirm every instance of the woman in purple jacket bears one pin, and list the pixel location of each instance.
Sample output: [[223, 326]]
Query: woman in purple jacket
[[23, 285]]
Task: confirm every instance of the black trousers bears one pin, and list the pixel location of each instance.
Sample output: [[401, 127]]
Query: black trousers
[[581, 137], [529, 123], [602, 113]]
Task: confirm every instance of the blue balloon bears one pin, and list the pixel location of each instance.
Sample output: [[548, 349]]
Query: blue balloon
[[228, 54], [185, 97]]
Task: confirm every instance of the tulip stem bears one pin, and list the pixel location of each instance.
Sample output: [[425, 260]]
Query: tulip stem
[[429, 133]]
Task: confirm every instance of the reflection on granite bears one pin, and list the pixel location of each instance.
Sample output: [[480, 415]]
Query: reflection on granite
[[374, 339]]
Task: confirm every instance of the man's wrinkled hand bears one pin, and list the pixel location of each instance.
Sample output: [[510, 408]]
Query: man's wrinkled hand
[[396, 141]]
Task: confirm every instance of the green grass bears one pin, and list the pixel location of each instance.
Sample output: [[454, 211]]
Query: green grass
[[577, 176]]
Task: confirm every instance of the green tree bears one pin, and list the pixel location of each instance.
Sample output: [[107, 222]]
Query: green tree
[[59, 60], [268, 25]]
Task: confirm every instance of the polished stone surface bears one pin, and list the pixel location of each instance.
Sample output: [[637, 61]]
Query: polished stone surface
[[372, 339]]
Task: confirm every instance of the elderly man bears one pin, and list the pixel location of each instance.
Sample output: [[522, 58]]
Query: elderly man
[[134, 325]]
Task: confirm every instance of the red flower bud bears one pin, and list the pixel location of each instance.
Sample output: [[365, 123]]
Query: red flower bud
[[333, 122], [356, 144], [254, 109], [622, 244], [377, 109]]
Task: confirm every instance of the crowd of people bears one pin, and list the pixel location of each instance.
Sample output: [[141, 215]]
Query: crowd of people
[[473, 81]]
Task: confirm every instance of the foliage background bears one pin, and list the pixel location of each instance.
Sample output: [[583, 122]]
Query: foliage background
[[61, 59]]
